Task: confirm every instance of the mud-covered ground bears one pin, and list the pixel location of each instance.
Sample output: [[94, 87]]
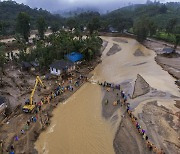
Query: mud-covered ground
[[169, 62], [172, 65], [160, 122], [158, 112], [17, 87], [12, 125]]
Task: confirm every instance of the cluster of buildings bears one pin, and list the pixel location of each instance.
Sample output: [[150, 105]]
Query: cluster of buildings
[[58, 67]]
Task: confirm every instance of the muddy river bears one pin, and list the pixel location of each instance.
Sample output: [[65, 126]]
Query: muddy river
[[78, 125]]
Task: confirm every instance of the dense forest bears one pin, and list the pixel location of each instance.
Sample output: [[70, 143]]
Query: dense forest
[[154, 19], [159, 13], [161, 21], [9, 11]]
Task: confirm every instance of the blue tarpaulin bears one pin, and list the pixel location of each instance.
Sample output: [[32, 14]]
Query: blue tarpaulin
[[74, 56]]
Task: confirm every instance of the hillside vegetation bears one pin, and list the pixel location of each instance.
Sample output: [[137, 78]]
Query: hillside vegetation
[[157, 20], [159, 13], [9, 11], [161, 21]]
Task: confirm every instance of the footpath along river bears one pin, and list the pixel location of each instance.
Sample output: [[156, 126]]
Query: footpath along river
[[78, 126]]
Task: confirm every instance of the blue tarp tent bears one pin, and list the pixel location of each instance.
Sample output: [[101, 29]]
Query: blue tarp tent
[[74, 56]]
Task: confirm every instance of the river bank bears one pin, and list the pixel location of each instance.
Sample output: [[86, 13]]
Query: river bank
[[169, 62], [83, 123], [159, 95], [11, 133]]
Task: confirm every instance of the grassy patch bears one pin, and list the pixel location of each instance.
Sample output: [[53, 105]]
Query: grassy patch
[[166, 37]]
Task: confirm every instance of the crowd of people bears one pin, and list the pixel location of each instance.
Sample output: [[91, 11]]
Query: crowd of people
[[69, 85], [142, 132], [64, 86], [133, 118]]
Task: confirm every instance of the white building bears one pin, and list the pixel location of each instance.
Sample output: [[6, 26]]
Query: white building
[[61, 66]]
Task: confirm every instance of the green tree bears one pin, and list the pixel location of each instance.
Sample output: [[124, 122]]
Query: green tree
[[22, 46], [144, 27], [2, 62], [21, 43], [104, 25], [42, 62], [171, 24], [78, 34], [55, 27], [23, 25], [41, 25], [121, 23], [141, 29], [91, 46], [94, 25], [163, 9], [152, 27], [71, 23], [177, 36], [3, 27], [173, 27]]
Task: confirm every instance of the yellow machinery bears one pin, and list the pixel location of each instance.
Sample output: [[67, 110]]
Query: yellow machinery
[[29, 106]]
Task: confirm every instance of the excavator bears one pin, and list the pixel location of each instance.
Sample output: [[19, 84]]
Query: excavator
[[29, 106]]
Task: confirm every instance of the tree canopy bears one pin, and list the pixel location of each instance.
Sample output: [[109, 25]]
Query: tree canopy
[[9, 11], [41, 25], [23, 25], [58, 44]]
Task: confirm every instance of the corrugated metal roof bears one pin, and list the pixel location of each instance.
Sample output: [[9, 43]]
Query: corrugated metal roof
[[61, 64]]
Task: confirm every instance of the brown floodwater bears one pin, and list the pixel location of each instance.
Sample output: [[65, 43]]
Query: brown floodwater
[[77, 125]]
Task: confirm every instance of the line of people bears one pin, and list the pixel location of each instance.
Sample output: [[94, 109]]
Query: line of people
[[60, 89], [134, 120], [110, 85], [142, 132]]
